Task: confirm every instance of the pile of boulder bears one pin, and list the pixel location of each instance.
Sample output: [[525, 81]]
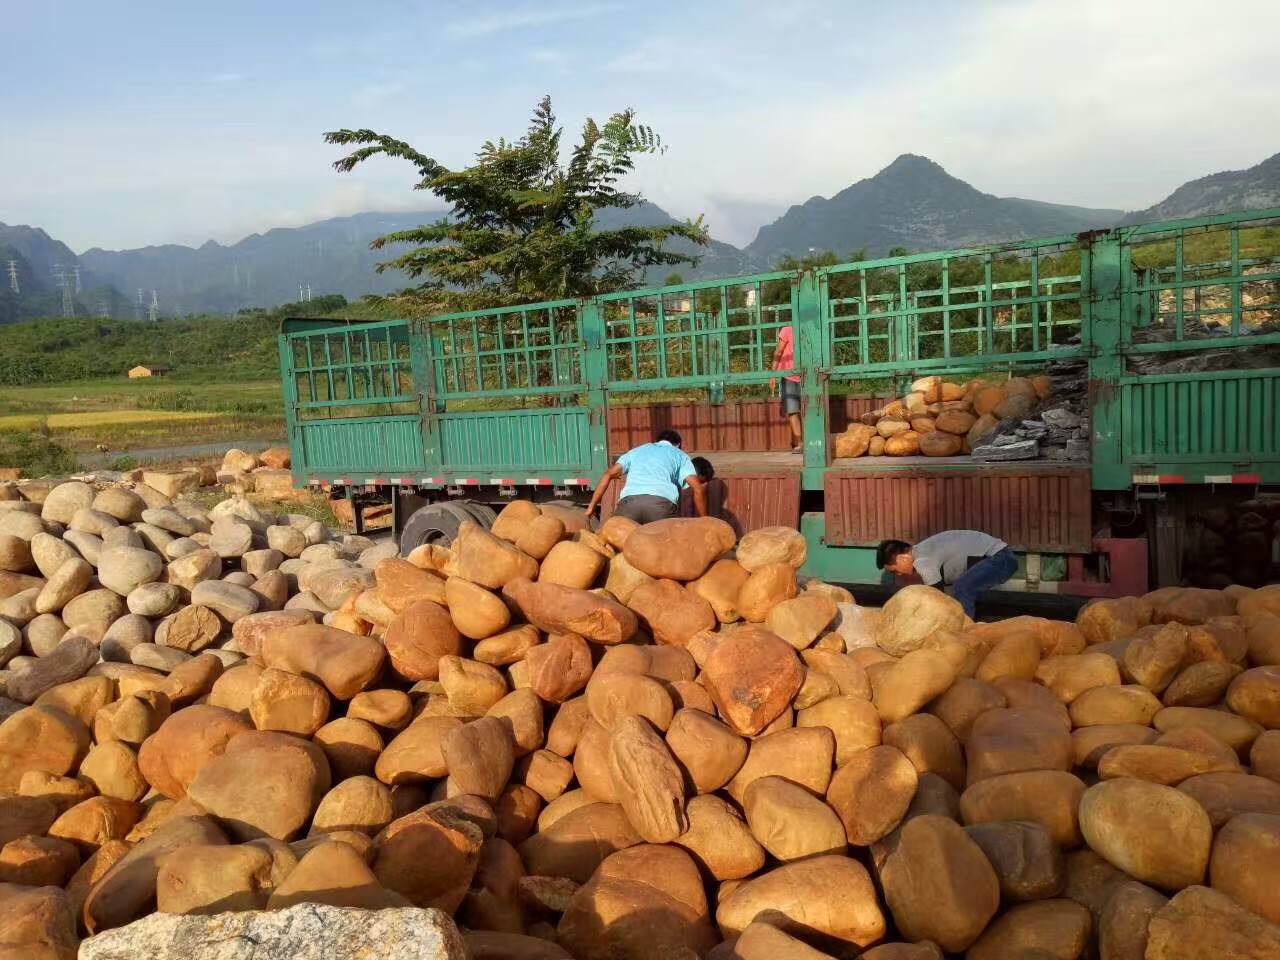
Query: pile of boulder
[[1019, 418], [225, 730]]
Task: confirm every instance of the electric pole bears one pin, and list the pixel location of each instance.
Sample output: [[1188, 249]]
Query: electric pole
[[13, 276]]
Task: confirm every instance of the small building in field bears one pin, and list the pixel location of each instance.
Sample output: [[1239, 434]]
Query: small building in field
[[148, 370]]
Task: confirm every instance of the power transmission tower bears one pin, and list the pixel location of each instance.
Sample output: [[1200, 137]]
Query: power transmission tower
[[103, 310], [154, 308], [63, 284], [76, 272], [137, 309], [308, 293], [13, 276]]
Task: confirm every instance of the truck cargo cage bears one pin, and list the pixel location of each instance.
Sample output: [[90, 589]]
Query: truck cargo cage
[[1174, 327]]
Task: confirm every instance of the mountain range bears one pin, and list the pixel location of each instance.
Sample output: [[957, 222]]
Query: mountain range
[[913, 203]]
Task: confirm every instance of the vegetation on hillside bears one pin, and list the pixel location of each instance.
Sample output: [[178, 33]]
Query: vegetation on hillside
[[197, 349], [523, 224]]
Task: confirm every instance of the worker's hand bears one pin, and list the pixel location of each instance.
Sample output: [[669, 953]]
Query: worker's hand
[[593, 512], [773, 384]]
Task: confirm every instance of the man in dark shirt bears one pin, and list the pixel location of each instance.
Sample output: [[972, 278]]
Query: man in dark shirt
[[970, 561]]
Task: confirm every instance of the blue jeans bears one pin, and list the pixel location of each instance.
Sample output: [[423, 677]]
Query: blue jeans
[[987, 573]]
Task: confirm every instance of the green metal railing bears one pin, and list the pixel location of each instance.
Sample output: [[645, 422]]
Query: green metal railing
[[527, 388]]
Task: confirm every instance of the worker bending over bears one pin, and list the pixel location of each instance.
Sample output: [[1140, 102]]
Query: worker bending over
[[969, 561], [656, 473]]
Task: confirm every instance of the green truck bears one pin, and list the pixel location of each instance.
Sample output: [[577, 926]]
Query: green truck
[[1169, 333]]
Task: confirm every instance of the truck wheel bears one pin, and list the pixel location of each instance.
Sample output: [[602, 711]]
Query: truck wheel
[[437, 524], [481, 512]]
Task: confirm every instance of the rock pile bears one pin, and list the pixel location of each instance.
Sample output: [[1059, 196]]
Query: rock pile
[[1233, 543], [939, 418], [633, 743]]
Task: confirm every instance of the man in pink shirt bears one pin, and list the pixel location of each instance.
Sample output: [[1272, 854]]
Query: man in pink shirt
[[784, 358]]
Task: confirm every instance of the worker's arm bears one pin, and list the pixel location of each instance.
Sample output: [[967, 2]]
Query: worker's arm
[[602, 487], [699, 492], [777, 355]]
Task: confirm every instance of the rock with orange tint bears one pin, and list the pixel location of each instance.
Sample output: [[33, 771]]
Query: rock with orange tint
[[1105, 620], [576, 843], [40, 738], [1161, 764], [645, 901], [831, 896], [939, 885], [752, 679], [1153, 833], [766, 587], [671, 613], [871, 793], [1203, 924], [37, 923], [419, 637], [708, 752], [400, 583], [1049, 928], [556, 609], [678, 549], [343, 662], [1010, 741], [914, 614], [1047, 797], [264, 785], [188, 740], [719, 840], [571, 564], [488, 560], [428, 857]]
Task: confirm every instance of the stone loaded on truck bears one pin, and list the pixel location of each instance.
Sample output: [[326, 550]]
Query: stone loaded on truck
[[1106, 403]]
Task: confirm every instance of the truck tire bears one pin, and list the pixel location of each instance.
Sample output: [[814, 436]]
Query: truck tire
[[481, 512], [436, 523]]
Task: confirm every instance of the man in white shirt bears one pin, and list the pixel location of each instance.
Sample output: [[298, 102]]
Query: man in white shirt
[[970, 561]]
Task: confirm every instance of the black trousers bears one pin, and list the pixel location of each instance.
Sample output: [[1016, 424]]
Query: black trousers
[[645, 508]]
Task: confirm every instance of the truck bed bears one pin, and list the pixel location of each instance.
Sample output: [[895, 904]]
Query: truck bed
[[728, 462]]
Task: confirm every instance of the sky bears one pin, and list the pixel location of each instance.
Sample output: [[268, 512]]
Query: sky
[[141, 122]]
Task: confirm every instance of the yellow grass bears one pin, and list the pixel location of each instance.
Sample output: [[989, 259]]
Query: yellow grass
[[20, 421], [99, 418]]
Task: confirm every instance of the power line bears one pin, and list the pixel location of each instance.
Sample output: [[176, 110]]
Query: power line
[[13, 276]]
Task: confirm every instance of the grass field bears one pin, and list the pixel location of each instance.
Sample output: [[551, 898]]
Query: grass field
[[51, 428]]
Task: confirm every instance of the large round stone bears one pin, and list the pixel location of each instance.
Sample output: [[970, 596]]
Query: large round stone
[[939, 884], [264, 785], [1152, 832], [124, 569]]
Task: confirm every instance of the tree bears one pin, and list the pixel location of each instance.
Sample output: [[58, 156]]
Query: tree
[[522, 224]]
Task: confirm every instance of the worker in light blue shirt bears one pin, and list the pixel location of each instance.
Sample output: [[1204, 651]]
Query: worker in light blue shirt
[[656, 473]]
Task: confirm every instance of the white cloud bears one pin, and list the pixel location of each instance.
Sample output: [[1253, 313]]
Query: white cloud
[[229, 76], [541, 16], [1094, 103]]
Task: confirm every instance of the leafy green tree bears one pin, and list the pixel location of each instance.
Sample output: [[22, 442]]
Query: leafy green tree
[[522, 224], [674, 279]]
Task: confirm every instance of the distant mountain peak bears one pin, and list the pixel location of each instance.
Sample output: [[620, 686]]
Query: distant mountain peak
[[1256, 188], [915, 203]]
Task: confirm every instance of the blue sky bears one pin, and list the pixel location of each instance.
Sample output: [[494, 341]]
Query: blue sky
[[139, 121]]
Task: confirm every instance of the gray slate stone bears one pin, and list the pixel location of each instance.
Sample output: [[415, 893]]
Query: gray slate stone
[[309, 931], [1019, 450]]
